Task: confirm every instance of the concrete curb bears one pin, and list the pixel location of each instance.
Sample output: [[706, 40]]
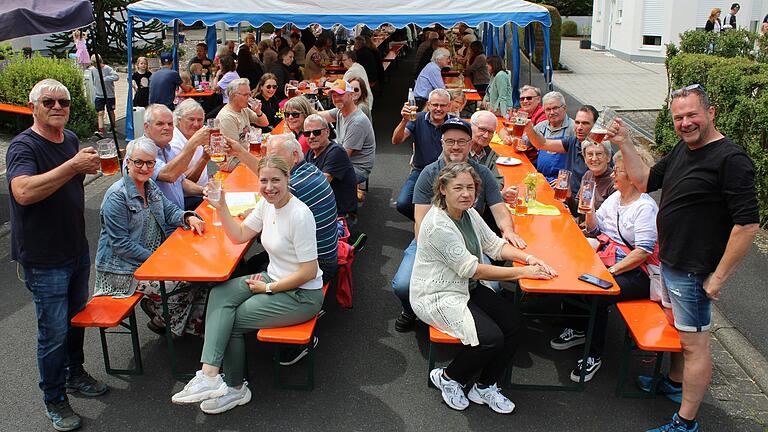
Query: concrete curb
[[749, 358]]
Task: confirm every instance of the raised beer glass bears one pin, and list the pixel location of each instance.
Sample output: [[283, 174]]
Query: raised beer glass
[[108, 157]]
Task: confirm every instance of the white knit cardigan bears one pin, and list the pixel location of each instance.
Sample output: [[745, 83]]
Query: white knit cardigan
[[439, 289]]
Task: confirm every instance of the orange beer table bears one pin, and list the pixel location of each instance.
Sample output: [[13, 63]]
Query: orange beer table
[[185, 256], [469, 88], [559, 241], [195, 93]]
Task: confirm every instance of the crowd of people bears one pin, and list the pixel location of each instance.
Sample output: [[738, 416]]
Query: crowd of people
[[451, 273]]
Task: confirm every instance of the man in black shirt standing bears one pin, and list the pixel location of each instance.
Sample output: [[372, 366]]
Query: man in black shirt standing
[[707, 220]]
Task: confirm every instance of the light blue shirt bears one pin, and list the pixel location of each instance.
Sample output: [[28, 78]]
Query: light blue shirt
[[428, 80], [173, 191]]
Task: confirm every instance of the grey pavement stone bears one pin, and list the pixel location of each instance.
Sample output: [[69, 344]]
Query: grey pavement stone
[[759, 402]]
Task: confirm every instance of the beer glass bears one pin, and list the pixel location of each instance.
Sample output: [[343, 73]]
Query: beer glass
[[213, 187], [108, 156], [521, 209], [600, 129], [520, 120], [510, 196], [213, 125], [254, 140], [217, 148], [562, 184], [586, 195]]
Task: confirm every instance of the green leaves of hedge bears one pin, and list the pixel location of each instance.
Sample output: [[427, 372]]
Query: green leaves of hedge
[[19, 74]]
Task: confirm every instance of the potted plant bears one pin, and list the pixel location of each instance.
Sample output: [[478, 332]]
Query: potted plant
[[586, 41]]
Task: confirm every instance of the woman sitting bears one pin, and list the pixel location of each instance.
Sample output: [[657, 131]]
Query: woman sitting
[[598, 159], [449, 292], [360, 96], [627, 223], [477, 67], [296, 110], [224, 76], [267, 53], [248, 67], [289, 292], [135, 219], [281, 69], [265, 92], [499, 94]]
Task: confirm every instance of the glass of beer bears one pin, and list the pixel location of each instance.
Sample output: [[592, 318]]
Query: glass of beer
[[213, 125], [562, 184], [213, 187], [520, 120], [586, 195], [254, 140], [510, 196], [217, 148], [520, 144], [108, 156], [600, 129], [521, 208]]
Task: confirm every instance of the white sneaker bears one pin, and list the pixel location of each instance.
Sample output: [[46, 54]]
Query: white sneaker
[[452, 391], [492, 397], [234, 397], [200, 388]]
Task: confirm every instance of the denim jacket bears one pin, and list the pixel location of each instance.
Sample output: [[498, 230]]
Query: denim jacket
[[122, 218]]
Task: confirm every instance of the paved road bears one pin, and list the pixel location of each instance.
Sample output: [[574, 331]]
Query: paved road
[[369, 377]]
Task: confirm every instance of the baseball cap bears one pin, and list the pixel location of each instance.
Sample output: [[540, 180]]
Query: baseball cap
[[456, 123], [166, 57], [341, 87]]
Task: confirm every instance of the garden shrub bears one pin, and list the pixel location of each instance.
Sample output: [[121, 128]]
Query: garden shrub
[[569, 29]]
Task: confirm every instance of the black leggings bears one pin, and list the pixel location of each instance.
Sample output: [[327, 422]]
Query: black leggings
[[498, 322]]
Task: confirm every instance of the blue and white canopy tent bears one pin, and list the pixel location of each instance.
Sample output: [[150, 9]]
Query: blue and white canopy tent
[[302, 13]]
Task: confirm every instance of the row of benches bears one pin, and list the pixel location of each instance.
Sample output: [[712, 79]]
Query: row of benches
[[647, 329]]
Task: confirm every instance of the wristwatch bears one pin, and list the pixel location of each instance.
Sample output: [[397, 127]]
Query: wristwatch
[[268, 289], [611, 270]]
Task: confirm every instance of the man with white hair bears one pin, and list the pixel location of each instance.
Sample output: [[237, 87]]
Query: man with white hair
[[46, 169], [188, 118], [483, 127], [170, 167], [237, 115], [430, 77], [558, 126]]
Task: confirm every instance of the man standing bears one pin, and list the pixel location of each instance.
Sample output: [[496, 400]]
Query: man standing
[[188, 117], [353, 129], [730, 20], [201, 57], [708, 179], [46, 170], [332, 160], [355, 69], [164, 83], [170, 167], [558, 126], [426, 142], [455, 149]]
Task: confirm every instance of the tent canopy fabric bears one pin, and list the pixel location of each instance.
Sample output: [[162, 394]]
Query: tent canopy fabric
[[32, 17], [302, 13]]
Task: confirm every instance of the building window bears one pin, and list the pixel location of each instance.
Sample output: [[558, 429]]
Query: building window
[[619, 11], [652, 40]]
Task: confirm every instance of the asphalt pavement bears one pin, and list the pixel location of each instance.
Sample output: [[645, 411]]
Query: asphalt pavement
[[368, 377]]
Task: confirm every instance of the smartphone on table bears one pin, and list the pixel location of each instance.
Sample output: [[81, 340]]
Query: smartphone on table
[[596, 281]]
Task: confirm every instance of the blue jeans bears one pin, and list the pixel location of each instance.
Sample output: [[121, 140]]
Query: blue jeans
[[401, 283], [59, 294], [404, 202], [691, 307]]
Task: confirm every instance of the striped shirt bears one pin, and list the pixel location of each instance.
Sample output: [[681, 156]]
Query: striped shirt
[[310, 186]]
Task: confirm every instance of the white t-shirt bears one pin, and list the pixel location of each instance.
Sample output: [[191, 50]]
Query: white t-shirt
[[288, 236], [638, 221], [177, 143]]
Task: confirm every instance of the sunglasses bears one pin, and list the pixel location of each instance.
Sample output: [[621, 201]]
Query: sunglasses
[[293, 114], [270, 86], [527, 98], [357, 90], [50, 103], [140, 163], [691, 88], [315, 132]]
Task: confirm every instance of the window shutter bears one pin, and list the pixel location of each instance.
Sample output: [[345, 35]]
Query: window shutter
[[653, 18], [705, 7]]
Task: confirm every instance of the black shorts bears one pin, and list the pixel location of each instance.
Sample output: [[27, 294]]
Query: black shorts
[[100, 102]]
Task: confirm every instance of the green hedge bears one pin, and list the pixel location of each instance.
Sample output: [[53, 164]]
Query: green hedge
[[19, 75], [738, 88], [569, 29], [554, 39]]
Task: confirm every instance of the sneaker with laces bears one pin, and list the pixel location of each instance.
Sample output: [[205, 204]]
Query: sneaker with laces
[[568, 338], [676, 425], [200, 388], [62, 416], [452, 391], [404, 322], [492, 397], [593, 364], [232, 398], [665, 387], [86, 385], [292, 356]]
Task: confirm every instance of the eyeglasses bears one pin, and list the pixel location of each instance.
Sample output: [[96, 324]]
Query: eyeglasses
[[315, 132], [551, 109], [452, 142], [691, 88], [438, 105], [527, 98], [140, 163], [483, 130], [590, 155], [243, 94], [50, 103], [293, 114], [270, 86]]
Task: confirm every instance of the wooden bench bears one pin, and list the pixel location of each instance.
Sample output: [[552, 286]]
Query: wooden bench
[[16, 109], [391, 56], [289, 337], [106, 312], [649, 330], [437, 337]]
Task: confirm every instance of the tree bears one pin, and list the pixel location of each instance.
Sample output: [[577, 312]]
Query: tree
[[108, 33], [570, 7]]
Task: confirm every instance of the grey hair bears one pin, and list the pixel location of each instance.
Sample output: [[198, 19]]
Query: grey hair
[[49, 84], [152, 111], [186, 107], [287, 140], [235, 84], [142, 144], [439, 92], [526, 87], [589, 143], [316, 118], [645, 156], [448, 173], [440, 53], [478, 114], [552, 96]]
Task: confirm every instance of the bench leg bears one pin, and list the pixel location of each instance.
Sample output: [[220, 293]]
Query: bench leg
[[431, 362], [309, 381], [624, 363], [624, 367], [133, 330]]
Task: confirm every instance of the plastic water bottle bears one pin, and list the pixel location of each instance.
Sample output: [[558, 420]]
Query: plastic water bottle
[[412, 103]]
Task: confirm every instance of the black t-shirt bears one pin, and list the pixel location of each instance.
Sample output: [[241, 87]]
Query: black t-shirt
[[206, 62], [270, 108], [335, 161], [705, 192], [50, 232], [141, 98]]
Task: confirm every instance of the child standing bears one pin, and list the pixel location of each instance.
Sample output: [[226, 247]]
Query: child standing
[[140, 83], [83, 59], [104, 101]]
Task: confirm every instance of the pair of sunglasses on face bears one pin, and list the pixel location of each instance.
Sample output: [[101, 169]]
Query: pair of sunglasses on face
[[50, 103]]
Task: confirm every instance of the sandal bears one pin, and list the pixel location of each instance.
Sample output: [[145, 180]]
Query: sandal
[[155, 327]]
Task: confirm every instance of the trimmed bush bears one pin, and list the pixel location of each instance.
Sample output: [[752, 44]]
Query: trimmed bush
[[569, 29], [19, 75], [554, 39]]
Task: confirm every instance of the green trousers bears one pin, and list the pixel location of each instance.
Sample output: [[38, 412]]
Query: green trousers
[[234, 310]]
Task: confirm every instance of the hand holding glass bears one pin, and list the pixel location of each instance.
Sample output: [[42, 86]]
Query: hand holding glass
[[108, 157]]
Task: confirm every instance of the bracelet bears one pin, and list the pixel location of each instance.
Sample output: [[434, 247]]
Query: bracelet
[[527, 259]]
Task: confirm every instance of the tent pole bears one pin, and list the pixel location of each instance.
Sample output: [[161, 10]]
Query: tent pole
[[129, 102]]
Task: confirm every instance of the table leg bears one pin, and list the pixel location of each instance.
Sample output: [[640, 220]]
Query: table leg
[[169, 336], [588, 340]]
